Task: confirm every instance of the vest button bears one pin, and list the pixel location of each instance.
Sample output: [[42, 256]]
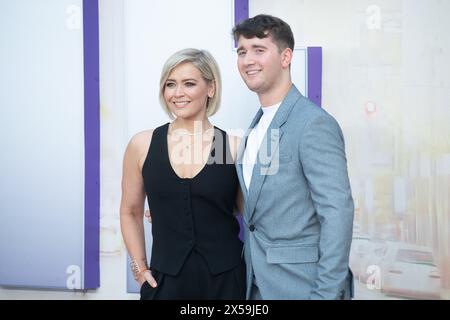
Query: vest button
[[252, 228]]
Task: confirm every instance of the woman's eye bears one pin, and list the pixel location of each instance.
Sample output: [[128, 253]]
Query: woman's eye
[[190, 84], [170, 85]]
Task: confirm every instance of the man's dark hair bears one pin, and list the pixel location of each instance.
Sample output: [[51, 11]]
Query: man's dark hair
[[262, 26]]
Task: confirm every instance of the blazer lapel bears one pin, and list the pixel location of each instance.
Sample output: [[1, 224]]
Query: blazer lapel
[[268, 151], [240, 155]]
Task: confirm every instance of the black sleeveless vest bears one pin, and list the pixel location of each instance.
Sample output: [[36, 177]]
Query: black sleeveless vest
[[192, 214]]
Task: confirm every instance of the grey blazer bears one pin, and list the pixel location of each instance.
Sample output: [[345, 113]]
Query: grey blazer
[[298, 211]]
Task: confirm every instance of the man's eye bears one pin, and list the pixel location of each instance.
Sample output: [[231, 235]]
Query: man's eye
[[241, 53]]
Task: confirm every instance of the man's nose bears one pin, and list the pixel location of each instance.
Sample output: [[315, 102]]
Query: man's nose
[[249, 59]]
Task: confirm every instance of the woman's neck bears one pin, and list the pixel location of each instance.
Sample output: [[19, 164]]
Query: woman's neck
[[190, 127]]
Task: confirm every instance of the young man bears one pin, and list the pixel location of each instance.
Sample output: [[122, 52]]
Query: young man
[[298, 210]]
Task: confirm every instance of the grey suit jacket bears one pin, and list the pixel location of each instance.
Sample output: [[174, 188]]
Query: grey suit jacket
[[298, 211]]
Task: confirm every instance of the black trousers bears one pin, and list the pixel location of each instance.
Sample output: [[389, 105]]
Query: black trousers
[[195, 282]]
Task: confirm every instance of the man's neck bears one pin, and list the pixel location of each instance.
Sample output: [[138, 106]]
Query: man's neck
[[275, 96]]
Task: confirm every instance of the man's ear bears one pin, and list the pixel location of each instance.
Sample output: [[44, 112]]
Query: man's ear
[[286, 57]]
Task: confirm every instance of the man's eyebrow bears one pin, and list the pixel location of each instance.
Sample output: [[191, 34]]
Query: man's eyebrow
[[258, 46], [254, 46]]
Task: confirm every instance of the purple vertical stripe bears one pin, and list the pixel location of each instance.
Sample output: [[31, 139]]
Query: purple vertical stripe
[[240, 11], [91, 145], [315, 75]]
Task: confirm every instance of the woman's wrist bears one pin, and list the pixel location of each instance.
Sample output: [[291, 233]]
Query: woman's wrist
[[138, 266]]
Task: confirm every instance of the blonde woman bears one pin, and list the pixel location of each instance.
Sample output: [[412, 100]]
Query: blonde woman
[[186, 170]]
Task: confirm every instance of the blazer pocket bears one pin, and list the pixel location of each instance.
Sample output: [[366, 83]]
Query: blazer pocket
[[292, 254]]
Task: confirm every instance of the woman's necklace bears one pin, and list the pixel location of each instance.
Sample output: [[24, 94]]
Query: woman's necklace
[[181, 132], [185, 132]]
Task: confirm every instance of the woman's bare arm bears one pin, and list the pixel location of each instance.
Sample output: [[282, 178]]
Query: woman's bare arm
[[133, 199]]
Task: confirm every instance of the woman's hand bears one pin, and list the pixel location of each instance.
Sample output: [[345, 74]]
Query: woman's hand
[[146, 275], [148, 215]]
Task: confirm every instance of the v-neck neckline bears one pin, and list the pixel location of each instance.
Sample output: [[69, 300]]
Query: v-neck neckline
[[170, 162]]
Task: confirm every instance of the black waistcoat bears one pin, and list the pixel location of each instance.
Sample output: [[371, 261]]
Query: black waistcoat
[[192, 213]]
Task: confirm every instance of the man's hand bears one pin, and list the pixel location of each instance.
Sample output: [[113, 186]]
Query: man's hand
[[147, 276], [148, 215]]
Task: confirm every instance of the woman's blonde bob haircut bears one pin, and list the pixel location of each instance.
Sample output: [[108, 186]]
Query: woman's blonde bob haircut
[[206, 64]]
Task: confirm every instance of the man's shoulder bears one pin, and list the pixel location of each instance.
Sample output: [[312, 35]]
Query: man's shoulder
[[306, 109], [306, 115]]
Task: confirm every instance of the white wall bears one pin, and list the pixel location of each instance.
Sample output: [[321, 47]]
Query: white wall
[[113, 136]]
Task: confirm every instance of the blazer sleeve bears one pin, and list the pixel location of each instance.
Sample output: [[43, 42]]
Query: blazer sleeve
[[322, 155]]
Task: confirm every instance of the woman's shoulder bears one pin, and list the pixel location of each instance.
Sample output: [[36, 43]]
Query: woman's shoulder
[[141, 138], [138, 146], [234, 141], [144, 138], [230, 137]]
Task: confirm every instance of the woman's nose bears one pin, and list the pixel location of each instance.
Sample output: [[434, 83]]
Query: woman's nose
[[179, 91]]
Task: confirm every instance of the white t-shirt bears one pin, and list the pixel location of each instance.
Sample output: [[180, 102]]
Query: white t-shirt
[[254, 140]]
